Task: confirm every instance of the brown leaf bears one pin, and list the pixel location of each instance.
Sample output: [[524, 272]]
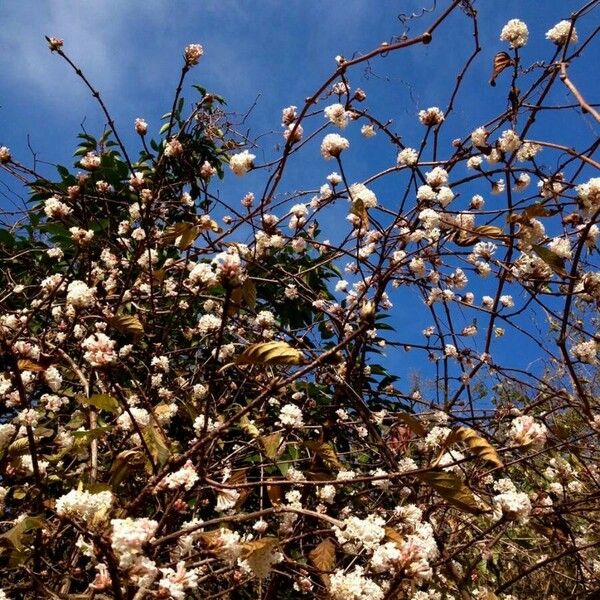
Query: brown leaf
[[412, 423], [128, 325], [270, 353], [26, 364], [501, 61], [392, 535], [451, 489], [322, 557]]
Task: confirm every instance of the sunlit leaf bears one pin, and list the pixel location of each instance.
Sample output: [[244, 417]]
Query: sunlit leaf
[[478, 445], [270, 353], [326, 452], [323, 558]]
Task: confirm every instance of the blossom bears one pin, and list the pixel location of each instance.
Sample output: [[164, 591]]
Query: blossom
[[353, 585], [80, 295], [515, 32], [55, 209], [337, 114], [141, 127], [525, 431], [193, 53], [407, 156], [368, 131], [185, 478], [586, 352], [431, 116], [173, 148], [509, 141], [589, 194], [90, 161], [361, 532], [242, 162], [128, 537], [333, 145], [479, 137], [291, 416], [559, 34], [99, 350], [80, 504], [513, 505], [360, 192]]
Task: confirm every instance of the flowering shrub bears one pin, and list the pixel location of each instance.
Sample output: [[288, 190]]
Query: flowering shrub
[[205, 398]]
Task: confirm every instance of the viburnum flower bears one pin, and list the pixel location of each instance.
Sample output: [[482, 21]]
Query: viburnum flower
[[431, 116], [242, 162], [4, 155], [291, 416], [515, 32], [333, 145], [141, 127], [337, 114], [193, 53], [559, 34], [91, 161]]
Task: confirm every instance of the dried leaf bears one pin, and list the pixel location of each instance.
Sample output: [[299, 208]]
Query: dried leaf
[[123, 464], [25, 364], [501, 61], [555, 262], [451, 489], [479, 446], [128, 325], [275, 493], [326, 452], [392, 535], [270, 353], [412, 423], [323, 558]]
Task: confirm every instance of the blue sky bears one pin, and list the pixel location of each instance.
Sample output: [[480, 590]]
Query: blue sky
[[277, 51]]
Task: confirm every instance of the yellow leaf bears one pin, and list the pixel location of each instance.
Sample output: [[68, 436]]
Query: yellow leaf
[[270, 353], [479, 446], [394, 536], [451, 489], [249, 427]]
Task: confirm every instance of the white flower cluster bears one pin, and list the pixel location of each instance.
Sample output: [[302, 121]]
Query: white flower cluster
[[353, 585], [128, 537], [242, 162], [291, 416], [515, 32], [559, 34], [360, 533], [525, 431], [99, 350], [333, 145], [513, 505], [80, 504]]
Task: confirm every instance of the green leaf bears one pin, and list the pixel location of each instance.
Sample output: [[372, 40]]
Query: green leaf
[[16, 535], [555, 262]]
